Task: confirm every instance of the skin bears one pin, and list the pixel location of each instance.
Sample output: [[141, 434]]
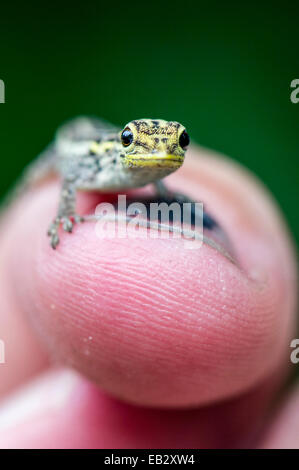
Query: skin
[[159, 329]]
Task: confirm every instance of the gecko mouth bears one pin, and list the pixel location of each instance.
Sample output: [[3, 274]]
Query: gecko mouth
[[158, 160]]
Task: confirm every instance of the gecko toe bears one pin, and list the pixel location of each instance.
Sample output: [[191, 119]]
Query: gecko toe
[[54, 241], [78, 219], [67, 225]]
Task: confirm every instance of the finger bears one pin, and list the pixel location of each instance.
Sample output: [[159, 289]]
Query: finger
[[21, 354], [61, 410], [149, 320], [283, 430]]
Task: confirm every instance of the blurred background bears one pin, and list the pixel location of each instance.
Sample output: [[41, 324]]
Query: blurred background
[[222, 68]]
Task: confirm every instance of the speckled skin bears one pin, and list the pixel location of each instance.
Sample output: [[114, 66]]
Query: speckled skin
[[89, 155]]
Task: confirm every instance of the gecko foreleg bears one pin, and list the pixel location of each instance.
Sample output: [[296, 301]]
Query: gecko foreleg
[[66, 215]]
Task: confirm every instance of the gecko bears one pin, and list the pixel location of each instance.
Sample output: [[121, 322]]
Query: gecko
[[90, 154]]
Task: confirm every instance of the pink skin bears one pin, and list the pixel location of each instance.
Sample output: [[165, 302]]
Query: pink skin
[[62, 410], [152, 323], [283, 430]]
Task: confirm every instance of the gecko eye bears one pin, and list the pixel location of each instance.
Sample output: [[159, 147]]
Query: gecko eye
[[184, 140], [127, 137]]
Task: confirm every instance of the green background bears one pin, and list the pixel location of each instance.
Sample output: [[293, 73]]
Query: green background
[[221, 68]]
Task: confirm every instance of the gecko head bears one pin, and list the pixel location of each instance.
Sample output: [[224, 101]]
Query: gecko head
[[154, 143]]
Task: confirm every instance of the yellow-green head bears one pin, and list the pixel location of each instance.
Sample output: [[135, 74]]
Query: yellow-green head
[[154, 143]]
